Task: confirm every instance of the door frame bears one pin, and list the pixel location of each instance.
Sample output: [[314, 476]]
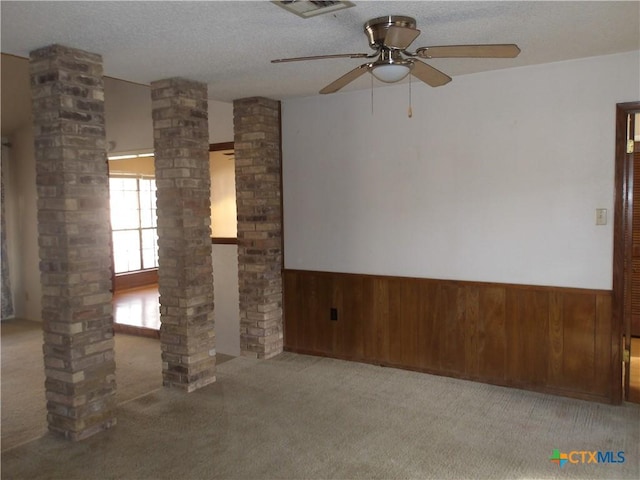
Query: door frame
[[622, 230]]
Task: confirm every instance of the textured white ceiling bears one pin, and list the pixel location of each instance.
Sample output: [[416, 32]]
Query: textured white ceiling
[[229, 45]]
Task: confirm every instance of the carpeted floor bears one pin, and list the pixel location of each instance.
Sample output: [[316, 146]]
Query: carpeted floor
[[138, 371], [306, 417], [23, 406]]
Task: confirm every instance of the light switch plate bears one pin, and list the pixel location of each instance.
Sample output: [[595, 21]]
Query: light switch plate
[[601, 216]]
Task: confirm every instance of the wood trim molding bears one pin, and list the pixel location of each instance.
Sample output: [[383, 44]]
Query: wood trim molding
[[622, 244], [458, 282], [216, 147], [224, 241]]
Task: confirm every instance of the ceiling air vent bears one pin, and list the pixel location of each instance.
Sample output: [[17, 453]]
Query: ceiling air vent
[[310, 8]]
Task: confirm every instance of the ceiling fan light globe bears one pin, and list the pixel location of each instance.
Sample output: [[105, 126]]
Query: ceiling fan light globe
[[391, 73]]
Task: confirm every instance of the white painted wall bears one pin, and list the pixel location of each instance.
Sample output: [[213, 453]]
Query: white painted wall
[[220, 122], [225, 257], [224, 217], [128, 117], [226, 299], [22, 225], [495, 178]]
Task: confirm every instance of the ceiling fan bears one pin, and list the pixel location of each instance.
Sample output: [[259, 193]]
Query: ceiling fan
[[390, 36]]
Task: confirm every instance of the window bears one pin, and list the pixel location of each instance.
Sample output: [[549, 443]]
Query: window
[[133, 223]]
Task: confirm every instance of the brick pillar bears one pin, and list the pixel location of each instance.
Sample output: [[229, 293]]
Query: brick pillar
[[74, 236], [259, 202], [181, 143]]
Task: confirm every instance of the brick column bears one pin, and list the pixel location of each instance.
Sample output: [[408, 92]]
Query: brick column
[[74, 236], [181, 143], [259, 202]]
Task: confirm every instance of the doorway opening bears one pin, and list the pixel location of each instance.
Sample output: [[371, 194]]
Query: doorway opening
[[132, 198], [136, 299]]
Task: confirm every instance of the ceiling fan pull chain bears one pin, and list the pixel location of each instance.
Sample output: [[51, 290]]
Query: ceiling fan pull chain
[[410, 112], [371, 95]]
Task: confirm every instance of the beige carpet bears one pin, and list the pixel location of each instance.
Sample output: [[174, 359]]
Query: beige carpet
[[305, 417], [23, 404], [138, 371]]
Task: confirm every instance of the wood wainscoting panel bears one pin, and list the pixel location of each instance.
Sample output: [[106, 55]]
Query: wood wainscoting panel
[[492, 344], [578, 345], [317, 301], [603, 352], [549, 339], [377, 332], [472, 322], [403, 322], [447, 322], [527, 335], [348, 298]]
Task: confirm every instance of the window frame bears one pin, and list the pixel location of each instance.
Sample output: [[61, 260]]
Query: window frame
[[140, 229]]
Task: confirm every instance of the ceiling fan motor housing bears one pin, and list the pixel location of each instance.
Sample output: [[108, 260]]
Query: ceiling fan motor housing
[[376, 28]]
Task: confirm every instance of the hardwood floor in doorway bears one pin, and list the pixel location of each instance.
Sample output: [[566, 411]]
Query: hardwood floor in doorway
[[137, 311]]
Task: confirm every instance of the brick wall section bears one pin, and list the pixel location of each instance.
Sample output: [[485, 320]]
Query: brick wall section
[[185, 275], [259, 204], [74, 238]]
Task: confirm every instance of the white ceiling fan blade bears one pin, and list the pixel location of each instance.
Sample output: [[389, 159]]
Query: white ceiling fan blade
[[428, 74], [508, 50], [400, 37], [345, 79]]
